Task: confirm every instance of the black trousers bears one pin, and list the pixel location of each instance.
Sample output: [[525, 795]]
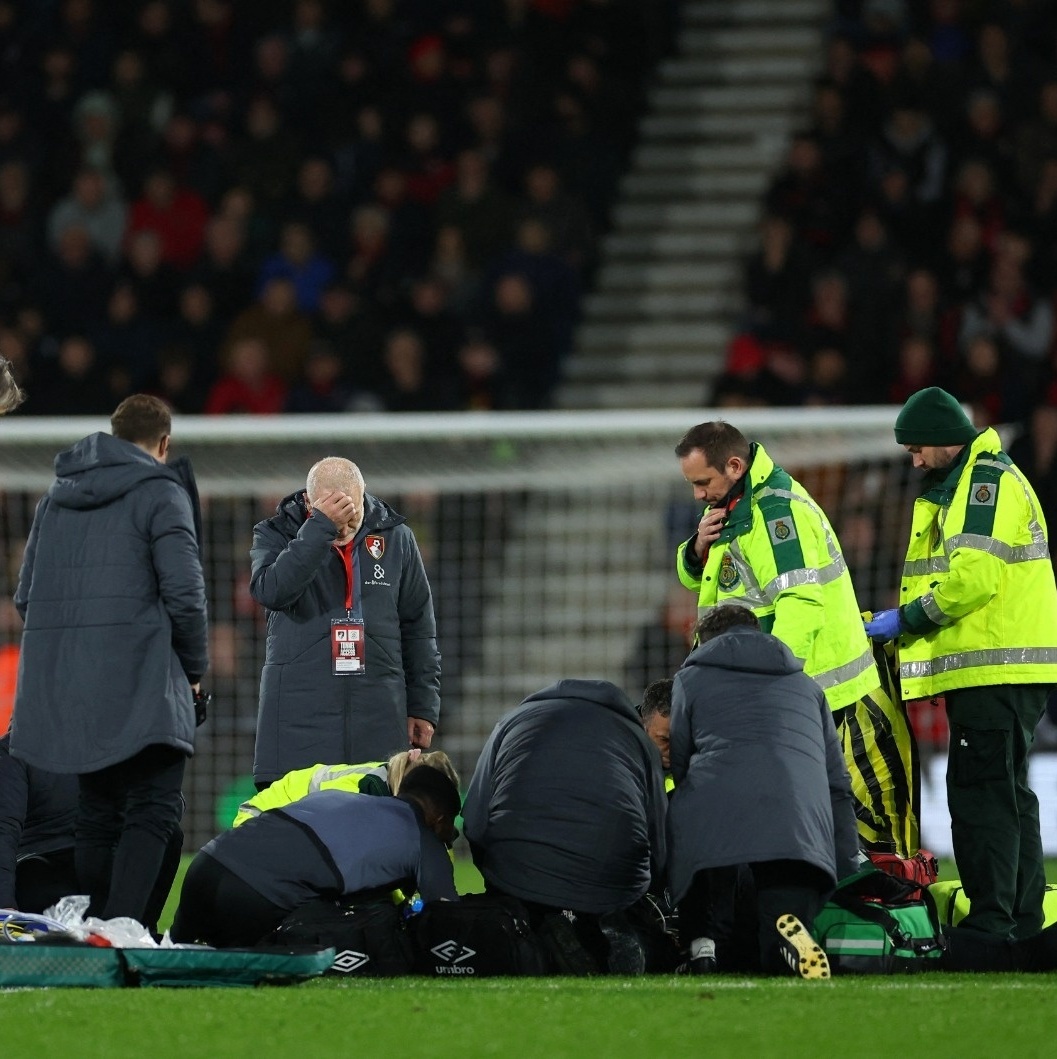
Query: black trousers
[[127, 815], [43, 879], [218, 908], [994, 813], [739, 907]]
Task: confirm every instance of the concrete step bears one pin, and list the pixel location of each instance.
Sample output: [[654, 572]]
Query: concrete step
[[719, 126], [739, 99], [613, 365], [657, 304], [659, 275], [789, 40], [742, 12], [612, 396], [687, 214], [709, 158], [714, 70], [696, 246], [729, 183], [653, 337]]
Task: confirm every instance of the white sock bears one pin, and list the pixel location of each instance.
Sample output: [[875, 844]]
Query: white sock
[[701, 948]]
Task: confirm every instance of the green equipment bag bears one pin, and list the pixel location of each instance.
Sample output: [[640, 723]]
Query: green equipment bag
[[261, 965], [952, 906], [866, 928], [60, 963]]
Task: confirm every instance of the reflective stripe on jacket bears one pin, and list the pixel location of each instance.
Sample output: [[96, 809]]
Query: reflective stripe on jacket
[[778, 555], [980, 601], [356, 779]]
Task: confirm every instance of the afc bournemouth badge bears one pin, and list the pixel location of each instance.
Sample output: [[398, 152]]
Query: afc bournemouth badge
[[781, 530], [728, 573], [983, 493], [375, 546]]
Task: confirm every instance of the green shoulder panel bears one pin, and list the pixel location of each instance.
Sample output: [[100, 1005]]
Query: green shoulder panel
[[776, 512], [981, 504]]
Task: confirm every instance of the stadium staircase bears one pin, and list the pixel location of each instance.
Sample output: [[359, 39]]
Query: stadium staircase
[[669, 285]]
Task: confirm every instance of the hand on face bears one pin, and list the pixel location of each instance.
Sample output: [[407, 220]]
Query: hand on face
[[341, 509]]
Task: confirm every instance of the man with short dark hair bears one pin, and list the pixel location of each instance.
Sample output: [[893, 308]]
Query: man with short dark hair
[[764, 543], [655, 711], [113, 598], [330, 844]]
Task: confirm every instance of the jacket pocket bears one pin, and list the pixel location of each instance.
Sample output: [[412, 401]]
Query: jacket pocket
[[979, 755]]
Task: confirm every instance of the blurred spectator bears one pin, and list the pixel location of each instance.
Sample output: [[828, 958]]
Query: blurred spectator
[[925, 315], [425, 164], [298, 261], [224, 266], [776, 281], [478, 383], [143, 106], [126, 338], [72, 284], [174, 381], [75, 384], [153, 279], [278, 324], [450, 265], [827, 381], [264, 157], [405, 385], [916, 368], [483, 215], [354, 333], [177, 215], [523, 339], [94, 205], [976, 196], [1016, 317], [247, 386], [964, 268], [805, 196], [562, 214], [989, 384], [316, 202], [197, 330], [429, 314], [19, 245], [320, 387], [1034, 451], [1036, 140], [194, 162]]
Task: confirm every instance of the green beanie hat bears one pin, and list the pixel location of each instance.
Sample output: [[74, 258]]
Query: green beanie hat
[[933, 417]]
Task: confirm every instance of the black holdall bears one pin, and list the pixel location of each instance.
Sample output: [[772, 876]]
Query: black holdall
[[369, 938], [478, 936]]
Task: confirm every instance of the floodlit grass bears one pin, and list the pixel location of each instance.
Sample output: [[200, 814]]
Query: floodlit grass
[[956, 1016], [941, 1016]]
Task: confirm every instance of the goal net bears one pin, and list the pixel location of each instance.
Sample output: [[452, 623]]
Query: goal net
[[549, 539]]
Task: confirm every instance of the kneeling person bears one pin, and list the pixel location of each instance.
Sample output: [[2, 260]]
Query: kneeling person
[[760, 780], [244, 883]]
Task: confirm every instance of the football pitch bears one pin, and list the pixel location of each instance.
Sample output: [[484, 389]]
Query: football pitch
[[939, 1015]]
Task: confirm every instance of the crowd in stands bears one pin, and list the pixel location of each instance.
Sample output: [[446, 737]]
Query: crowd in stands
[[909, 240], [307, 205]]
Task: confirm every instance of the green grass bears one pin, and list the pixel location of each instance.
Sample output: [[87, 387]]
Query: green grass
[[939, 1016]]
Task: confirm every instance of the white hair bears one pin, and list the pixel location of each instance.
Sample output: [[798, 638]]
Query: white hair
[[334, 472]]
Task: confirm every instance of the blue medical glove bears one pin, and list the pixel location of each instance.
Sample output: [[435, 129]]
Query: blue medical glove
[[885, 625]]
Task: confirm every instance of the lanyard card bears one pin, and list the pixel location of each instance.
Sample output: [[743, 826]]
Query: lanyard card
[[346, 647]]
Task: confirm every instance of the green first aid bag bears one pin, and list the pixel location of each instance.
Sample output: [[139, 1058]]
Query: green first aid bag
[[865, 929]]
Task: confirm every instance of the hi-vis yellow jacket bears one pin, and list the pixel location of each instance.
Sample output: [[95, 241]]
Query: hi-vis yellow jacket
[[778, 555], [978, 592], [368, 778]]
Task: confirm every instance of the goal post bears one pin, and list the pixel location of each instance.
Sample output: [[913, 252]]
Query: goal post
[[549, 539]]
